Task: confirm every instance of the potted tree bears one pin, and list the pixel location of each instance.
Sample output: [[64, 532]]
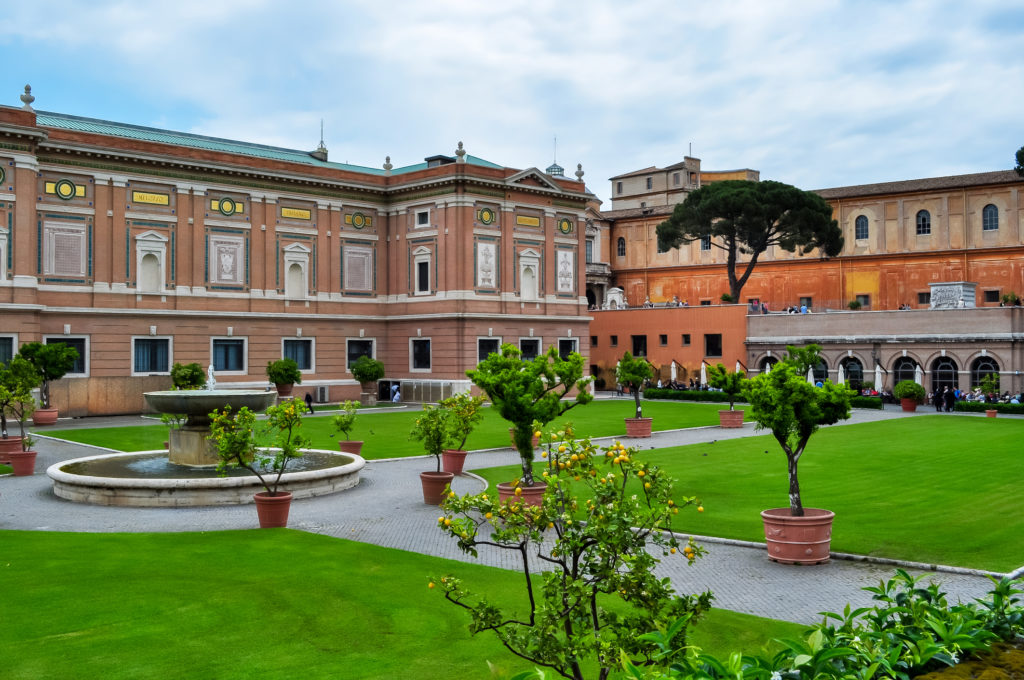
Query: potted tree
[[634, 372], [52, 361], [188, 376], [343, 424], [989, 385], [432, 429], [367, 371], [528, 392], [909, 393], [464, 413], [783, 402], [731, 384], [20, 404], [235, 438], [285, 374], [17, 378]]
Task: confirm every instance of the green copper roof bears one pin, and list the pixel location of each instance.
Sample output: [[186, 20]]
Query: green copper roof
[[148, 134]]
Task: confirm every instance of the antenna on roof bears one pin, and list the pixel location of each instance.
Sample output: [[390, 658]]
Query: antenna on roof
[[690, 154], [554, 152], [555, 169], [321, 151]]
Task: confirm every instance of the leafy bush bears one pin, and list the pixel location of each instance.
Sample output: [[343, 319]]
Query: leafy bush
[[367, 370], [730, 383], [188, 376], [346, 420], [633, 372], [908, 389], [284, 372], [981, 407], [686, 395], [854, 305], [52, 361], [866, 402]]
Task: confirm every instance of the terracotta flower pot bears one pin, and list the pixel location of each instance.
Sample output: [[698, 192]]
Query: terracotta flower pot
[[273, 510], [434, 484], [44, 416], [284, 389], [638, 427], [7, 446], [990, 413], [452, 460], [909, 405], [798, 540], [23, 463], [730, 418], [350, 446], [531, 495]]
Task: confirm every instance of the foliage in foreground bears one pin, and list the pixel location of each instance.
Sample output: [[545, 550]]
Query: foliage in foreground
[[602, 516]]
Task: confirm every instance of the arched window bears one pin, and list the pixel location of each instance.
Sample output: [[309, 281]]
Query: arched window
[[767, 363], [989, 218], [620, 247], [821, 372], [981, 367], [854, 370], [944, 374], [860, 227], [903, 369], [924, 223]]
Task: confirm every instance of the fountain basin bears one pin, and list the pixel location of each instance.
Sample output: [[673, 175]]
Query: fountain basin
[[207, 491]]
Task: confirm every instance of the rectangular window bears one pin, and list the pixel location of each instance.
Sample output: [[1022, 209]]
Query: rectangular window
[[229, 355], [686, 339], [300, 350], [593, 341], [485, 347], [712, 344], [530, 347], [618, 187], [567, 346], [991, 296], [806, 302], [663, 340], [355, 349], [705, 303], [6, 348], [423, 276], [590, 250], [422, 218], [865, 301], [639, 345], [420, 350], [705, 243], [675, 179], [151, 355], [613, 341], [81, 365], [924, 298], [650, 183]]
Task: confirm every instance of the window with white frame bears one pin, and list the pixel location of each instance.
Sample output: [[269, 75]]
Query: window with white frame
[[486, 347], [151, 356], [590, 250], [358, 347], [705, 243], [923, 222], [78, 343], [419, 354], [989, 218], [421, 270], [860, 227], [620, 247], [530, 347], [228, 355], [7, 345], [3, 253], [422, 218], [299, 350], [64, 249], [567, 346]]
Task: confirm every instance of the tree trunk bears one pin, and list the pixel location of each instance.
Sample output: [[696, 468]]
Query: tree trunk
[[796, 507], [636, 398]]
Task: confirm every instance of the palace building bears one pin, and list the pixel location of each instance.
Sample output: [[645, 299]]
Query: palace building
[[143, 247]]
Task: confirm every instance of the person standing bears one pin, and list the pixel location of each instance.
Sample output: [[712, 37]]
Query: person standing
[[949, 399]]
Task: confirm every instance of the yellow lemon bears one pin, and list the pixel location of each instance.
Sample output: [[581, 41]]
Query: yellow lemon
[[673, 551], [519, 492], [489, 515], [700, 508], [561, 448], [537, 433], [431, 585], [641, 473]]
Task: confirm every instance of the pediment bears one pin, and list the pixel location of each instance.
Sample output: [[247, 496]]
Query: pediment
[[151, 237], [533, 177], [297, 248]]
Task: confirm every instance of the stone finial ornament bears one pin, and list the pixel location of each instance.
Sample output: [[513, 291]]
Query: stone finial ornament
[[27, 98], [460, 154], [579, 171], [387, 165]]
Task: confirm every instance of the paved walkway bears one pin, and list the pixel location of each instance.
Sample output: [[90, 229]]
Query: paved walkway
[[386, 509]]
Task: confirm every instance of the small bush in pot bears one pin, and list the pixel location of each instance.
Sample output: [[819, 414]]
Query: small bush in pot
[[730, 383], [18, 378], [367, 370], [52, 361], [464, 413], [284, 372], [343, 424], [633, 372], [188, 376], [432, 428], [908, 389]]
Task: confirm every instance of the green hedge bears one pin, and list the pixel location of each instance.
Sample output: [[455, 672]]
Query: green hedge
[[866, 402], [981, 407], [688, 395]]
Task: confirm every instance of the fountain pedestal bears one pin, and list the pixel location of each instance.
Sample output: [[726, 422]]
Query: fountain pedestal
[[190, 446]]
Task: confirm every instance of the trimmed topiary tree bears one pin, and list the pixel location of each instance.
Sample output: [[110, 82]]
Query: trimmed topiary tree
[[730, 382], [52, 362], [188, 376], [366, 370], [908, 389], [633, 372]]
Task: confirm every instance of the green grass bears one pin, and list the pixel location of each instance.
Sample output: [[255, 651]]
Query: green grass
[[6, 469], [386, 435], [934, 489], [266, 604]]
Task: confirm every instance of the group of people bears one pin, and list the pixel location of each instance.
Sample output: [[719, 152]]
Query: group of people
[[674, 302], [946, 398], [802, 309]]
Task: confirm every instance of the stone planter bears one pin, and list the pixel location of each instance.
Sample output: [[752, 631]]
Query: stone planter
[[638, 427], [44, 416], [908, 405], [350, 446], [452, 460], [434, 484], [798, 540], [23, 463], [730, 419], [531, 495], [273, 510]]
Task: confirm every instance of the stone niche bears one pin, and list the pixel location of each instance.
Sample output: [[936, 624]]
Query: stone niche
[[952, 294]]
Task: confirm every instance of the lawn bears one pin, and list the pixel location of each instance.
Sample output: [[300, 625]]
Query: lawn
[[266, 604], [386, 435], [936, 489]]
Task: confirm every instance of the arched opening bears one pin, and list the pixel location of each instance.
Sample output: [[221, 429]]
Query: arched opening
[[767, 363], [854, 371], [149, 273], [295, 283], [981, 367], [821, 372], [903, 369], [944, 374], [529, 283], [591, 298]]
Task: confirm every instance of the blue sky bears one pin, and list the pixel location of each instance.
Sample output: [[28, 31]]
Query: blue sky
[[815, 93]]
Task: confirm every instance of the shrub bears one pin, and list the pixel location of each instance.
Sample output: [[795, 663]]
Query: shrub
[[188, 376], [866, 402], [52, 361], [633, 372], [346, 420], [730, 383], [367, 370], [687, 395], [284, 372], [854, 305], [908, 389], [981, 407]]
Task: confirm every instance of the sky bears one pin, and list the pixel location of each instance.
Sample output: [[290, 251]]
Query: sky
[[815, 93]]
